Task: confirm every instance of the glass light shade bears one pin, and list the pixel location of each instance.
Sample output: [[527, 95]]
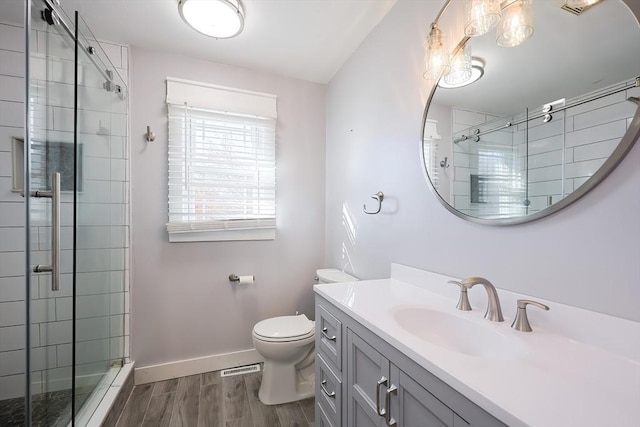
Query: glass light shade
[[221, 19], [581, 3], [516, 24], [477, 71], [480, 16], [460, 67], [437, 61]]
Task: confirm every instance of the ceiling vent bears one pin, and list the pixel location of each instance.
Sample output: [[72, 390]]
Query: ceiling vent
[[577, 10]]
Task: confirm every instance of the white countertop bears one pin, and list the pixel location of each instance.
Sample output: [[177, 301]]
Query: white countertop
[[583, 370]]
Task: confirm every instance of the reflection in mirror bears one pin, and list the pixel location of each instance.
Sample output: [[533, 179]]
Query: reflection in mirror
[[526, 138]]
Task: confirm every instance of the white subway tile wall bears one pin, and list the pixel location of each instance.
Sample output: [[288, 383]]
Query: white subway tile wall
[[103, 229], [562, 154]]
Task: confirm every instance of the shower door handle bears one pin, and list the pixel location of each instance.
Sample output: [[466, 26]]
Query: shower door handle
[[54, 267]]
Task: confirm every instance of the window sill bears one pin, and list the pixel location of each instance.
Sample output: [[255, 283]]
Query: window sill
[[222, 235]]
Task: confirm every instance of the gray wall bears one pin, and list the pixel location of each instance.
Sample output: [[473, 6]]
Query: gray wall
[[184, 305], [586, 255]]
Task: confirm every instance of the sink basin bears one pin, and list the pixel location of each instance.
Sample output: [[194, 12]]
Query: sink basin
[[473, 337]]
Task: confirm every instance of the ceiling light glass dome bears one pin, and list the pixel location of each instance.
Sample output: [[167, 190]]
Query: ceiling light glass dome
[[221, 19]]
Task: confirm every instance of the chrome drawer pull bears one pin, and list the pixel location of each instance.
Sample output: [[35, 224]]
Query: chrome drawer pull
[[381, 382], [390, 420], [330, 338], [332, 394]]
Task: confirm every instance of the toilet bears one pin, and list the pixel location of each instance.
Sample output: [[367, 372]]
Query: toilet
[[287, 345]]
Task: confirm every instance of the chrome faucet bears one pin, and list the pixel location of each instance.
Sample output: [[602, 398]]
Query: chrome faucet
[[494, 311], [521, 322], [463, 301]]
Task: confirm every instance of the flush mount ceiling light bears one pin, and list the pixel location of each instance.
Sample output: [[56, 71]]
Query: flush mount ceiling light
[[477, 71], [221, 19]]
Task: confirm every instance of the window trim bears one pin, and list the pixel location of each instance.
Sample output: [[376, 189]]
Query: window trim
[[222, 235], [189, 94]]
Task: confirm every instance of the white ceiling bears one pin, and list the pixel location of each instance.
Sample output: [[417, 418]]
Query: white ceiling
[[312, 39], [306, 39]]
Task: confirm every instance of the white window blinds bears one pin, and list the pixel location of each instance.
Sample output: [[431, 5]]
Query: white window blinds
[[222, 162]]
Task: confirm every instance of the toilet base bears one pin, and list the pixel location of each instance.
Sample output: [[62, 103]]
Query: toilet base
[[282, 383]]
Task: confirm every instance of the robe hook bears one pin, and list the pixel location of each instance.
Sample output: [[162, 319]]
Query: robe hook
[[150, 136]]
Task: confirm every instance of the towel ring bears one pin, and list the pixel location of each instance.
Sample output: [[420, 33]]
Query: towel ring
[[379, 196]]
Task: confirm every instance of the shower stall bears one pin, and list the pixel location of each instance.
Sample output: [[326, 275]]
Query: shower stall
[[63, 217], [517, 165]]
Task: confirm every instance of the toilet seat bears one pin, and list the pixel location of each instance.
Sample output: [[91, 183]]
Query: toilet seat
[[284, 329]]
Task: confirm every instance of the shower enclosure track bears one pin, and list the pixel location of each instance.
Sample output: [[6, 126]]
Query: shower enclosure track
[[474, 136], [61, 17]]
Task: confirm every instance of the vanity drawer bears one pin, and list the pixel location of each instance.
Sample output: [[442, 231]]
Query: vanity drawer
[[328, 391], [329, 336], [321, 418]]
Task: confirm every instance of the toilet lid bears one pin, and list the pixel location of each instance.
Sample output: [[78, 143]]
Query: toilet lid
[[331, 275], [284, 327]]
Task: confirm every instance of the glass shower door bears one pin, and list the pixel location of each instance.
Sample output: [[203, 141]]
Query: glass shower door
[[50, 184], [77, 219], [101, 126]]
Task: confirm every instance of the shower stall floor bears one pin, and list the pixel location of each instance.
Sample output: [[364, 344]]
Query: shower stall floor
[[49, 409]]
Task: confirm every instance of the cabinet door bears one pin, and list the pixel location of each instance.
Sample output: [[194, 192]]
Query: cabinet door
[[365, 367], [412, 405]]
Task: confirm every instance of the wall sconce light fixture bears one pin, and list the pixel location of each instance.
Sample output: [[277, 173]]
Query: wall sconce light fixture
[[437, 62], [516, 24], [481, 16]]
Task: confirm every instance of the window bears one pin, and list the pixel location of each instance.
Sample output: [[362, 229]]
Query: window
[[500, 185], [222, 182]]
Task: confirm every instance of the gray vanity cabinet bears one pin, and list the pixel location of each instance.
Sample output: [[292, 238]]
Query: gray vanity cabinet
[[412, 405], [365, 367], [371, 378], [408, 403]]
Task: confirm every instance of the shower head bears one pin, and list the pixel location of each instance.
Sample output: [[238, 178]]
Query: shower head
[[634, 99]]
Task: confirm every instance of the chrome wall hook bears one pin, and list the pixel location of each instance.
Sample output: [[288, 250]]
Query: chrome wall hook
[[150, 136], [444, 163], [379, 196]]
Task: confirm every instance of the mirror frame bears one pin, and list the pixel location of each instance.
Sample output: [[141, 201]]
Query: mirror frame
[[621, 150]]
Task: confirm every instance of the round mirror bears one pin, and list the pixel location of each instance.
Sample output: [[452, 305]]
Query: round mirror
[[512, 134]]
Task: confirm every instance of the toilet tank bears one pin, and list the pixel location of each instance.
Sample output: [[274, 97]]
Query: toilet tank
[[332, 275]]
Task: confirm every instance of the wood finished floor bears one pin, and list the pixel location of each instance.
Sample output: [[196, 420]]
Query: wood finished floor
[[208, 400]]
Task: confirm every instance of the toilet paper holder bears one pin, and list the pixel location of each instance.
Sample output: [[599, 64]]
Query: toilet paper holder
[[234, 278]]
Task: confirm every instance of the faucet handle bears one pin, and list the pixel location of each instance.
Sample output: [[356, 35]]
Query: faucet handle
[[463, 301], [521, 322]]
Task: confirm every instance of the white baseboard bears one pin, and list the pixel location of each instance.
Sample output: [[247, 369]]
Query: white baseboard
[[183, 368]]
